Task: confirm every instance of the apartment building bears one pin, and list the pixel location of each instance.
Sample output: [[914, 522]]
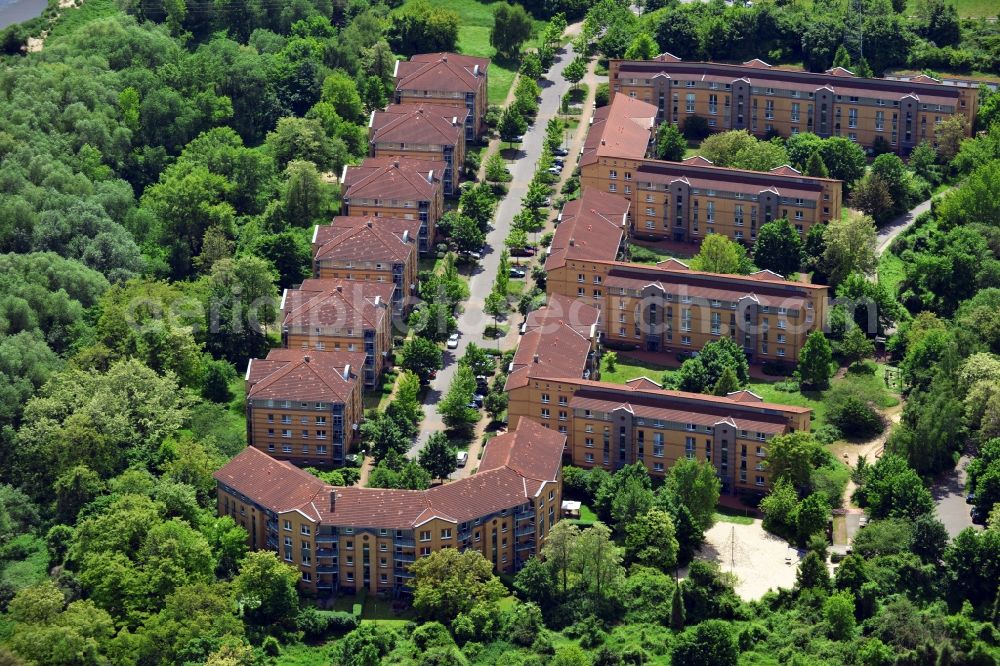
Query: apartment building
[[341, 315], [612, 425], [400, 187], [343, 540], [685, 201], [669, 307], [449, 79], [369, 249], [422, 132], [767, 100], [304, 406], [561, 310], [593, 226]]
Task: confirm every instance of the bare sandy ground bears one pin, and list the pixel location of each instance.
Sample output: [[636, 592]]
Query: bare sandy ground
[[760, 561]]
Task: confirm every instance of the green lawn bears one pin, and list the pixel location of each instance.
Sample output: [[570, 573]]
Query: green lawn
[[72, 19], [475, 23], [891, 271], [724, 514], [966, 8], [652, 254], [810, 399], [300, 654], [627, 368]]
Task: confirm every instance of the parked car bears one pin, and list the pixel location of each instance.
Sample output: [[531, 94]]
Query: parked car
[[561, 151], [523, 252], [970, 498], [516, 272], [978, 516], [481, 383], [453, 341], [559, 162], [547, 201], [462, 458], [555, 171], [518, 139]]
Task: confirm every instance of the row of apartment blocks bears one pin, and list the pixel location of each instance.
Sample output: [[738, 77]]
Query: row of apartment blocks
[[344, 540], [554, 380], [685, 201], [767, 101], [668, 307]]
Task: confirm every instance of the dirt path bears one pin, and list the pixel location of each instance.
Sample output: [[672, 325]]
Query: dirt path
[[35, 44], [850, 452]]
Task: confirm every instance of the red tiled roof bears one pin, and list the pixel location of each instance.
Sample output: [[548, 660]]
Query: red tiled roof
[[367, 241], [393, 178], [442, 72], [708, 177], [622, 129], [840, 82], [510, 477], [296, 374], [418, 124], [533, 451], [643, 383], [564, 310], [333, 302], [557, 349], [592, 227], [273, 484]]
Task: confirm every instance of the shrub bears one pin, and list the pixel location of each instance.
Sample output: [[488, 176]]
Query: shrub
[[695, 127], [851, 408], [271, 647], [602, 96], [776, 369]]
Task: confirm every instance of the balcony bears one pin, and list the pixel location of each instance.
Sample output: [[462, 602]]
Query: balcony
[[405, 543], [327, 570], [525, 530], [272, 524], [326, 552], [272, 544], [323, 537], [525, 515], [525, 545], [405, 557], [405, 573]]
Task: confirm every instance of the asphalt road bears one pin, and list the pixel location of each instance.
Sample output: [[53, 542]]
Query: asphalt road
[[949, 495], [900, 224], [472, 322]]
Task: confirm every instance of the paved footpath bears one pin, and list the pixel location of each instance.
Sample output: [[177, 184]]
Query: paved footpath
[[472, 321]]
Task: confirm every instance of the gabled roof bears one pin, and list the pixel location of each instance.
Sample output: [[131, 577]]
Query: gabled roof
[[442, 72], [698, 160], [418, 124], [558, 349], [757, 63], [561, 310], [311, 376], [643, 383], [621, 129], [369, 240], [337, 303], [592, 227], [515, 467], [533, 451], [393, 178], [840, 71], [786, 170]]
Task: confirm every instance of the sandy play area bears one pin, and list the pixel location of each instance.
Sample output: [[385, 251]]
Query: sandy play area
[[759, 560]]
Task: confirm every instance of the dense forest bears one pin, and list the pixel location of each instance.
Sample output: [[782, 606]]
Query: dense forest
[[161, 168]]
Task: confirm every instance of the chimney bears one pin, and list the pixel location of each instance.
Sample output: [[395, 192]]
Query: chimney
[[340, 288], [395, 163], [475, 70], [378, 301], [333, 501], [444, 58], [454, 121], [406, 235], [572, 242], [307, 358], [369, 223], [535, 358], [347, 372], [603, 142]]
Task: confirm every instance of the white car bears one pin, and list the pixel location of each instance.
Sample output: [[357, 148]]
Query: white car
[[462, 457], [453, 341]]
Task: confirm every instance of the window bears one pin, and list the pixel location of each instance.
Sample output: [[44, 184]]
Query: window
[[852, 118], [545, 398], [689, 103], [446, 533], [612, 187], [879, 120], [545, 413], [713, 104], [425, 535], [288, 526], [612, 174], [795, 112], [759, 480]]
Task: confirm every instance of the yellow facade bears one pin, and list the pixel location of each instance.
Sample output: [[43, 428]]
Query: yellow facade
[[767, 101], [673, 201], [339, 559]]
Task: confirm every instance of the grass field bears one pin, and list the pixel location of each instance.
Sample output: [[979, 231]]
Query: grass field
[[724, 514], [475, 23], [966, 8], [626, 369], [72, 19], [891, 271]]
